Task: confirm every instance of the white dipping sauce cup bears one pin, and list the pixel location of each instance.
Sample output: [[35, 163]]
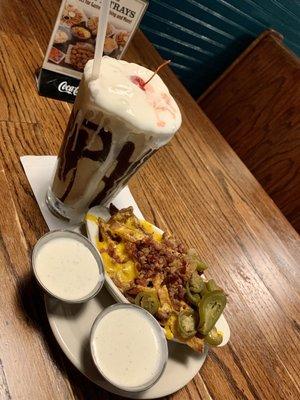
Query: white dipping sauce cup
[[131, 356], [93, 272]]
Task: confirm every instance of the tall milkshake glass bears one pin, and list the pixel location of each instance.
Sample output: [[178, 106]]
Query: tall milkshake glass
[[117, 123]]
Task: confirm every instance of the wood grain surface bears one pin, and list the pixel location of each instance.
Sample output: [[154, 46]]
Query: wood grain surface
[[196, 186], [255, 104]]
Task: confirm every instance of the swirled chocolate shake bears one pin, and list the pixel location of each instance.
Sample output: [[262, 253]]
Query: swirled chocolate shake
[[117, 122]]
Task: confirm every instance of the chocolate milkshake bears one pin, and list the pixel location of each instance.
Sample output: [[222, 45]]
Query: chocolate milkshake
[[116, 124]]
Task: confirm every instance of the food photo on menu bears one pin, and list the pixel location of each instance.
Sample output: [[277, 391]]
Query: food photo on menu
[[73, 41]]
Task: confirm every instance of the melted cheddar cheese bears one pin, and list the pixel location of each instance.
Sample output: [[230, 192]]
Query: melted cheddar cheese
[[92, 218], [149, 228], [169, 328], [125, 271]]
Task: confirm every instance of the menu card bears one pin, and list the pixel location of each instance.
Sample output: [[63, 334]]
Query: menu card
[[73, 39]]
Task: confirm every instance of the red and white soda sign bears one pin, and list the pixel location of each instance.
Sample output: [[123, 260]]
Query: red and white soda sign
[[73, 38]]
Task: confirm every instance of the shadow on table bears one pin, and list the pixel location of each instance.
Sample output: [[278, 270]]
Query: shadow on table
[[30, 300], [177, 355]]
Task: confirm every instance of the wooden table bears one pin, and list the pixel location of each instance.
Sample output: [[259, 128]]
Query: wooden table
[[195, 186]]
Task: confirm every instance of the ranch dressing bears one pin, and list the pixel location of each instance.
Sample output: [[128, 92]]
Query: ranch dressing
[[127, 348], [67, 268]]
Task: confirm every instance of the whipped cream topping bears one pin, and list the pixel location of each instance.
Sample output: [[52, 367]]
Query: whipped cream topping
[[119, 90]]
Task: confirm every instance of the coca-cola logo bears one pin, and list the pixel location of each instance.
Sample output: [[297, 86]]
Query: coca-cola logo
[[63, 87]]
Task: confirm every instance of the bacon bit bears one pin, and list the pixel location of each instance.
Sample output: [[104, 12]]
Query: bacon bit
[[133, 291], [111, 250], [141, 281], [166, 258], [113, 209], [181, 292]]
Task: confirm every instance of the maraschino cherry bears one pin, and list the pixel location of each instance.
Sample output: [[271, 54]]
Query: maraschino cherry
[[137, 80]]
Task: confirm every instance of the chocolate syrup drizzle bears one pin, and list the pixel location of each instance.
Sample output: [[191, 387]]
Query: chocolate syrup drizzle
[[113, 182], [75, 147], [72, 151]]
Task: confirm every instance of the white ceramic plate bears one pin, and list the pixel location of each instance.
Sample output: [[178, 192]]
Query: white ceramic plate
[[71, 325]]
